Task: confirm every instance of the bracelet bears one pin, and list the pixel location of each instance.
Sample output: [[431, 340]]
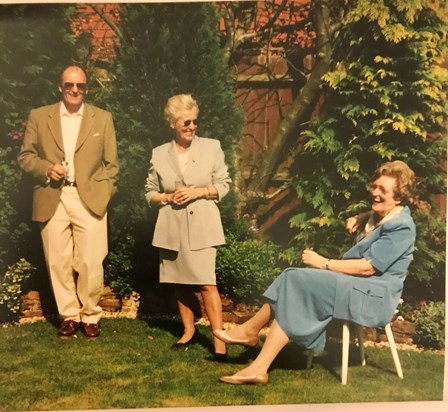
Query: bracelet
[[327, 264], [163, 202], [208, 193]]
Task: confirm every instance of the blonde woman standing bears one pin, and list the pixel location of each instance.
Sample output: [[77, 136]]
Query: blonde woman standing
[[187, 178]]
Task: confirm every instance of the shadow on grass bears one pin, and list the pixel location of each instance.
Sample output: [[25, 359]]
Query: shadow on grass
[[54, 321], [247, 355], [174, 327], [292, 357]]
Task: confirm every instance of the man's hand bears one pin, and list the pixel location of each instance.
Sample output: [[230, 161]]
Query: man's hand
[[57, 172]]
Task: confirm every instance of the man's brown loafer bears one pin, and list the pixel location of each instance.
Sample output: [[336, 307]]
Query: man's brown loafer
[[68, 329], [90, 330]]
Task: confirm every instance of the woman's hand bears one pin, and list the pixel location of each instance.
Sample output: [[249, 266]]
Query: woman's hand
[[359, 267], [313, 259], [187, 194], [352, 224]]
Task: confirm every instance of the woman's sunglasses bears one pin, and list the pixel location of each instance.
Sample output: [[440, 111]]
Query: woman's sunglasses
[[188, 122]]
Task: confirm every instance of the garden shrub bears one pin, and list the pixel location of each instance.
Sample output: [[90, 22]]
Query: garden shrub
[[245, 268], [117, 268], [11, 285], [426, 279], [430, 325], [405, 311]]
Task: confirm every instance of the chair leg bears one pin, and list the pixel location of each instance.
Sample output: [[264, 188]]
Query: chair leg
[[393, 349], [345, 351], [309, 358], [362, 353]]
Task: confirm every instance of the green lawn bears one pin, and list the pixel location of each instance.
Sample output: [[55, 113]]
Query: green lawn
[[132, 366]]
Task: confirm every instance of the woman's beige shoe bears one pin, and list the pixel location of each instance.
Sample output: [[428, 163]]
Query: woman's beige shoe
[[222, 335], [245, 380]]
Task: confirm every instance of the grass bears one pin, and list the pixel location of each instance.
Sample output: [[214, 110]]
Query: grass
[[131, 366]]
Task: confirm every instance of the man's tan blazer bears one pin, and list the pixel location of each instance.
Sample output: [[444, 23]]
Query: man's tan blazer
[[96, 163], [205, 167]]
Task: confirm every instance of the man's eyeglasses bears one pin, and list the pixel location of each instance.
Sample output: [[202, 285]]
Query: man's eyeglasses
[[188, 122], [67, 86]]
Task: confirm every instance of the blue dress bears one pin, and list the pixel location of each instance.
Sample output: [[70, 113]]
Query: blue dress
[[304, 301]]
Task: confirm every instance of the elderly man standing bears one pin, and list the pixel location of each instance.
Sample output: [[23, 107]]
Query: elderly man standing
[[70, 151]]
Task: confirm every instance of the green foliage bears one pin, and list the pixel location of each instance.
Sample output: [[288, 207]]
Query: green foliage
[[384, 100], [12, 227], [405, 310], [430, 325], [245, 268], [426, 277], [118, 267], [11, 284], [159, 57], [36, 43]]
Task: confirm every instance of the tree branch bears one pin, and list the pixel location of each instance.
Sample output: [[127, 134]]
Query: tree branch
[[252, 199], [274, 17], [108, 21], [244, 13], [229, 24]]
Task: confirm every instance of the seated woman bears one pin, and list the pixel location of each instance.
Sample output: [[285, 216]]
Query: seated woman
[[364, 286]]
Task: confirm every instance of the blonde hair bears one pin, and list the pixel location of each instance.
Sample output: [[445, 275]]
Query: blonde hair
[[404, 176], [177, 105]]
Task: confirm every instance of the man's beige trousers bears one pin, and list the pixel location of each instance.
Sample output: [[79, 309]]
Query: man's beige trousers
[[75, 245]]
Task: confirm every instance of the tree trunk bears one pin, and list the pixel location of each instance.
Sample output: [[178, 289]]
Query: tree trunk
[[300, 109], [299, 112]]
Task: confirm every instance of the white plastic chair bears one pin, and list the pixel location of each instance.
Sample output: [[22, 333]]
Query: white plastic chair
[[346, 346]]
